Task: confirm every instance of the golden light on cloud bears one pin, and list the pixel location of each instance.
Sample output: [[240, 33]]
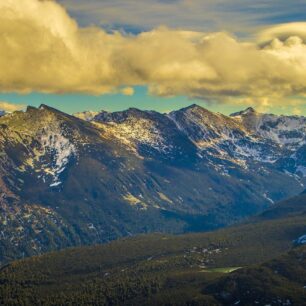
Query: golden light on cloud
[[128, 91], [43, 49], [10, 107], [297, 111], [283, 31]]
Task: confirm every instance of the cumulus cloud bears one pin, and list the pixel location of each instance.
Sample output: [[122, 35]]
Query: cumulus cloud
[[283, 31], [10, 107], [43, 49]]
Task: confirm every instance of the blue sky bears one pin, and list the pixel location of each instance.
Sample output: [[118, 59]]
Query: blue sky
[[243, 19], [72, 103]]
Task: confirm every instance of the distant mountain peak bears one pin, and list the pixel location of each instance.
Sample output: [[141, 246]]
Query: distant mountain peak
[[42, 111], [247, 111], [49, 108], [133, 111], [195, 107], [30, 108], [86, 115], [122, 116], [41, 107]]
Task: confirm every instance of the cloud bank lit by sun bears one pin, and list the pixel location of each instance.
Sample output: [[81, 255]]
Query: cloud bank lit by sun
[[43, 49]]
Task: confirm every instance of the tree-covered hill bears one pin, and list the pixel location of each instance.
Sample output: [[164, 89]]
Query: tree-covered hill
[[170, 270]]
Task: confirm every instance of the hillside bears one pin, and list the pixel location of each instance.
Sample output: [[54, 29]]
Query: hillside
[[66, 182], [277, 282], [171, 270]]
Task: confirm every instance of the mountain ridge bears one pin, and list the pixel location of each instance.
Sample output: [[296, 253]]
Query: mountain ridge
[[66, 182]]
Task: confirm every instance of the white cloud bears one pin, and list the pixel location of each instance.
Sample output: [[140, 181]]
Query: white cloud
[[43, 49]]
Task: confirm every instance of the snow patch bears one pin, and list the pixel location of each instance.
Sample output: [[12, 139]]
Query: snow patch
[[301, 240], [267, 198], [136, 131], [54, 143], [55, 184], [302, 170]]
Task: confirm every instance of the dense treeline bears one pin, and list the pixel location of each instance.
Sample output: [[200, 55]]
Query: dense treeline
[[171, 270], [279, 282]]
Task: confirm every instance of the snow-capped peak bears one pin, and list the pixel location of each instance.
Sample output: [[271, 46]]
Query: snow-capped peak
[[241, 138], [283, 130]]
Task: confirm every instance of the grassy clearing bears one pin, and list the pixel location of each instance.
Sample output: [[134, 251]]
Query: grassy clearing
[[222, 270]]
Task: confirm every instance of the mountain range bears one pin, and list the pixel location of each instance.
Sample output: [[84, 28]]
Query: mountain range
[[94, 177]]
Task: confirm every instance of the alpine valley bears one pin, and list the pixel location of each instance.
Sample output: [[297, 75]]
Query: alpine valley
[[94, 177]]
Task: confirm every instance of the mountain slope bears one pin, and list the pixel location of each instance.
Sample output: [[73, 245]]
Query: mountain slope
[[65, 181]]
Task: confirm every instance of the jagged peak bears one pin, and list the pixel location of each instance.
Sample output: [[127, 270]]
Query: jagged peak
[[130, 110], [135, 111], [47, 107], [247, 111], [195, 107], [31, 108], [41, 107], [192, 106], [45, 111], [121, 116], [103, 114]]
